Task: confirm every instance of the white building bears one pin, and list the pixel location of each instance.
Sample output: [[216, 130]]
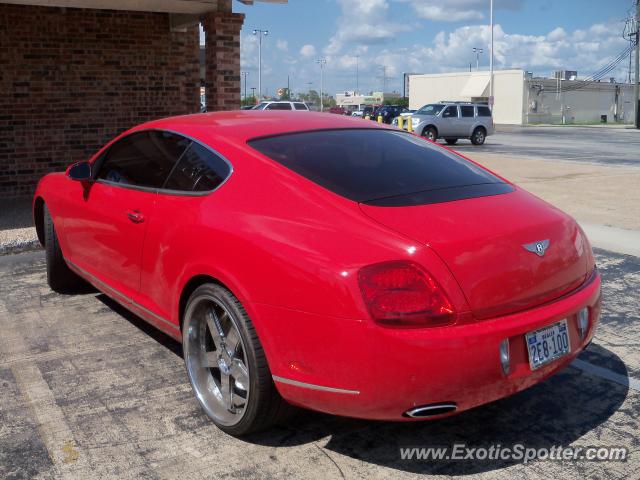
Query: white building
[[521, 99]]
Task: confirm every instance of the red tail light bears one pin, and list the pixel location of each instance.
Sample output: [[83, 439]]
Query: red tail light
[[401, 294]]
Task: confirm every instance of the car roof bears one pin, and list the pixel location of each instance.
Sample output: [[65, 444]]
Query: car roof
[[244, 125]]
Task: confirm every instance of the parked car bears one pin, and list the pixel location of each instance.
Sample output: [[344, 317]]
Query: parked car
[[323, 262], [247, 107], [282, 105], [452, 121], [338, 110], [368, 111], [390, 112]]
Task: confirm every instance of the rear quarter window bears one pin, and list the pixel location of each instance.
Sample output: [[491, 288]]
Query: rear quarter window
[[380, 167], [484, 112]]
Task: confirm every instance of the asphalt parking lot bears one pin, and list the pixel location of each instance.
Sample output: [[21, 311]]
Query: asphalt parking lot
[[91, 391], [600, 145]]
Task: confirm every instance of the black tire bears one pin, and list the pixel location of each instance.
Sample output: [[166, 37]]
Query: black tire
[[478, 136], [59, 276], [451, 141], [430, 133], [264, 407]]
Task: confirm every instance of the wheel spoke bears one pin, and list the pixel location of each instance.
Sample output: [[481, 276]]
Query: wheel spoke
[[215, 329], [232, 342], [210, 359], [240, 374], [226, 391]]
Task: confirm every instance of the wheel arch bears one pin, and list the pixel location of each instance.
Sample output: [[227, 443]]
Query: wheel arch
[[431, 125], [190, 286]]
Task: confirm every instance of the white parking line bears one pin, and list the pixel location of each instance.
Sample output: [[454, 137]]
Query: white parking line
[[606, 374]]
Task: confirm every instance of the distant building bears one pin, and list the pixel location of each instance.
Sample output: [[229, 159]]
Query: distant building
[[355, 101], [520, 98]]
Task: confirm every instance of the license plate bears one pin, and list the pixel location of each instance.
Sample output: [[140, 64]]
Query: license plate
[[548, 344]]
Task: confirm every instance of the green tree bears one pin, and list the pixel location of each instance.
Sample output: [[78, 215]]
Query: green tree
[[248, 101], [402, 101]]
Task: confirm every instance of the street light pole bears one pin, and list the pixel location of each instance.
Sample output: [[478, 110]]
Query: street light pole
[[477, 51], [260, 33], [245, 75], [491, 58], [357, 73], [322, 62], [636, 87]]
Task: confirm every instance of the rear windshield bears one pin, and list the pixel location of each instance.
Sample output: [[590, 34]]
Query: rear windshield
[[380, 167]]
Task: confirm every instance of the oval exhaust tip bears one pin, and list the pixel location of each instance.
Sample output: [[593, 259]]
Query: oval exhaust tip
[[432, 410]]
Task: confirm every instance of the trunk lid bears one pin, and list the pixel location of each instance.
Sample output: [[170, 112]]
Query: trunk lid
[[482, 240]]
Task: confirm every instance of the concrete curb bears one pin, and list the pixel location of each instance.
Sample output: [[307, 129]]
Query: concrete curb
[[19, 246]]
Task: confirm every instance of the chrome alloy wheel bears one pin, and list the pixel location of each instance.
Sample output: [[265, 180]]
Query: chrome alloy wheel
[[216, 361]]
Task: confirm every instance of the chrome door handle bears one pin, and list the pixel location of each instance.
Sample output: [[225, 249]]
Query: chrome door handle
[[135, 216]]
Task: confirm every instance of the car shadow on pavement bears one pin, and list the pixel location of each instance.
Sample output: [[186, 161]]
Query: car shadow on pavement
[[558, 411]]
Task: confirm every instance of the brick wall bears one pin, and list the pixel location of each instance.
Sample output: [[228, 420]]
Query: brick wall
[[222, 59], [71, 79]]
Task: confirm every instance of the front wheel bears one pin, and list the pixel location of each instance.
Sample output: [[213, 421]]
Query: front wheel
[[479, 136], [226, 364], [430, 133], [59, 276]]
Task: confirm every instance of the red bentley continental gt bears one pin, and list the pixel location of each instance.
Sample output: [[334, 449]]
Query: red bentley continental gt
[[325, 262]]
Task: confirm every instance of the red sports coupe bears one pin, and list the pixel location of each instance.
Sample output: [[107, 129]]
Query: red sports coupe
[[325, 262]]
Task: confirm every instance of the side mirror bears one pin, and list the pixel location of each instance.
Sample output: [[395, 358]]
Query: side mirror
[[80, 172]]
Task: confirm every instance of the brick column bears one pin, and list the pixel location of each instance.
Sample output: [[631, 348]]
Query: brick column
[[222, 59]]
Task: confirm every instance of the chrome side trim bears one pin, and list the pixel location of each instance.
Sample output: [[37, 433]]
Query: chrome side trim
[[122, 299], [311, 386]]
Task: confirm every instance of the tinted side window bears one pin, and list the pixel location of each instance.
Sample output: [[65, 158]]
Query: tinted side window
[[300, 106], [467, 111], [484, 112], [450, 112], [380, 167], [279, 106], [199, 170], [142, 159]]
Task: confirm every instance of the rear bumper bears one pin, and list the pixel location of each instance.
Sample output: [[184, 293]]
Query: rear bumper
[[358, 369]]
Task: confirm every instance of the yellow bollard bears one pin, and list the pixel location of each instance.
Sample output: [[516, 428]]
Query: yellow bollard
[[379, 118], [368, 117], [410, 124], [401, 122]]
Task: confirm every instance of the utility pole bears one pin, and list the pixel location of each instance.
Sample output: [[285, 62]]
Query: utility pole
[[636, 88], [322, 62], [245, 75], [491, 58], [384, 78], [260, 34], [357, 73], [253, 93]]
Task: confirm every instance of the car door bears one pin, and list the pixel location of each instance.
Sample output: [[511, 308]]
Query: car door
[[449, 122], [467, 120], [106, 226], [170, 241]]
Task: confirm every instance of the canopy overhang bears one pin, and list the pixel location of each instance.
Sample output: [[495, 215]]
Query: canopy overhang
[[192, 7], [477, 86]]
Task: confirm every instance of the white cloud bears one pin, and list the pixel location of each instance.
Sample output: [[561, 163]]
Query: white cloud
[[308, 51], [458, 10], [585, 51], [363, 22], [282, 45]]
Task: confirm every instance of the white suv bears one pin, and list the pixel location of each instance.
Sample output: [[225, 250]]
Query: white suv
[[282, 106]]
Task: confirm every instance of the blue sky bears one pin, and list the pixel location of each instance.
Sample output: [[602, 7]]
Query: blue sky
[[426, 36]]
